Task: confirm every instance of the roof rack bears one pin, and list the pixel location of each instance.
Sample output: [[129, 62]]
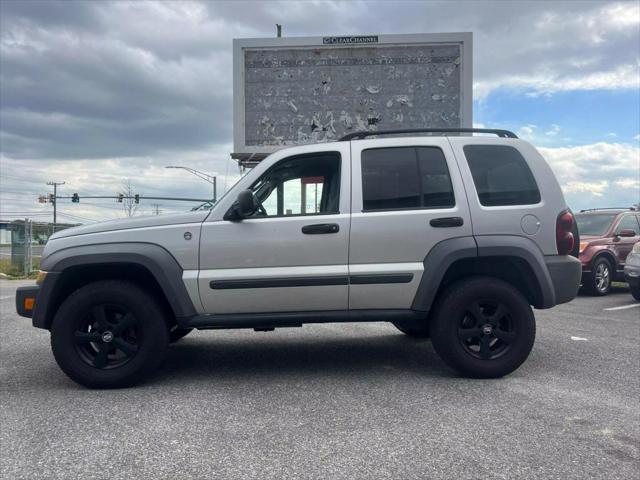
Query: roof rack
[[369, 133], [632, 209]]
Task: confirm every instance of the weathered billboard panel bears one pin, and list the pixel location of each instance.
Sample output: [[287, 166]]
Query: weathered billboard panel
[[292, 91]]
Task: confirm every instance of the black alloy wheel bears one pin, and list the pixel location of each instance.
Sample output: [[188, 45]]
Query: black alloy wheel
[[107, 337], [487, 330], [109, 334], [482, 327]]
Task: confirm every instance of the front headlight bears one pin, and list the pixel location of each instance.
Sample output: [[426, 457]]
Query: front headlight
[[633, 259], [583, 245]]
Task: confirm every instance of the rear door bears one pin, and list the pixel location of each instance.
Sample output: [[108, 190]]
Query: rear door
[[511, 189], [407, 196]]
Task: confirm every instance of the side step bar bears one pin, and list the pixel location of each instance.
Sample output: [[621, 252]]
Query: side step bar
[[268, 321]]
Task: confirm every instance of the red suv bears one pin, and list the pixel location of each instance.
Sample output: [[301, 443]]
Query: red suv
[[606, 238]]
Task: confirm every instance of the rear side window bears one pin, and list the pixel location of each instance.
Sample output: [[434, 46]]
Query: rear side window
[[398, 178], [501, 175]]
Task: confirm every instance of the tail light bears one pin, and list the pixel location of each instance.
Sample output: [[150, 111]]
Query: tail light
[[564, 236]]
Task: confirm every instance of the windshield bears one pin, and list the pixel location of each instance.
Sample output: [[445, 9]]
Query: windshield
[[594, 224]]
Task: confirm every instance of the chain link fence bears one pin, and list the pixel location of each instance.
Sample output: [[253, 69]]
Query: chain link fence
[[21, 245]]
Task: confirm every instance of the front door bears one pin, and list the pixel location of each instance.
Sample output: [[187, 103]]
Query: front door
[[292, 257]]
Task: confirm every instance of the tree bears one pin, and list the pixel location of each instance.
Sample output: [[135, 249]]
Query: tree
[[129, 204]]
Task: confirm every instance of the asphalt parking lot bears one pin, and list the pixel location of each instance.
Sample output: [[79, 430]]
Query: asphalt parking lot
[[333, 401]]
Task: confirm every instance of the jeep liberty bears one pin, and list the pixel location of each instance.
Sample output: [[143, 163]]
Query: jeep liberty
[[453, 237]]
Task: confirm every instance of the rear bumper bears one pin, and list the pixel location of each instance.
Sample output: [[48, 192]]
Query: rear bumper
[[565, 272], [26, 299]]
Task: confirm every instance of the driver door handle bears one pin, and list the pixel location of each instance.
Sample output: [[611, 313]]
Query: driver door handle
[[321, 228]]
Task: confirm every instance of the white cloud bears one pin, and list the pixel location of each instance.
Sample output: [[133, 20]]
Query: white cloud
[[527, 132], [629, 183], [595, 188], [597, 173], [555, 129], [128, 87]]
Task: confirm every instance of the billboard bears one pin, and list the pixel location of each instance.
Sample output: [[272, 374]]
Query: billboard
[[299, 90]]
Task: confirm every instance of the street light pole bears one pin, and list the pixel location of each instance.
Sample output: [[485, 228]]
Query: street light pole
[[205, 176]]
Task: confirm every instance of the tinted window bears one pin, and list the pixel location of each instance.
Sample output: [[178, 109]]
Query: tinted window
[[594, 224], [404, 178], [301, 185], [437, 191], [501, 175], [628, 222]]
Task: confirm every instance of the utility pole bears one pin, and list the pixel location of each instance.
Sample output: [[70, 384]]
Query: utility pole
[[53, 201], [156, 208]]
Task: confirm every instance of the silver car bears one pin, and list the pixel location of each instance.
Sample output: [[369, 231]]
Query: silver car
[[632, 271]]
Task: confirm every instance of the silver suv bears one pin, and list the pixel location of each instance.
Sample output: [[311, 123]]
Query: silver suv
[[452, 237]]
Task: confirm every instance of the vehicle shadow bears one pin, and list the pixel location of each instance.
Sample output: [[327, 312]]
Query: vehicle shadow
[[233, 357], [616, 288]]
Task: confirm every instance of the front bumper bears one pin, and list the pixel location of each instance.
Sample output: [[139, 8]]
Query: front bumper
[[26, 298], [565, 272], [632, 275]]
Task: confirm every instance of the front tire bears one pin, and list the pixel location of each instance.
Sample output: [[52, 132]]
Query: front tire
[[635, 291], [483, 327], [598, 281], [109, 334], [413, 331], [178, 333]]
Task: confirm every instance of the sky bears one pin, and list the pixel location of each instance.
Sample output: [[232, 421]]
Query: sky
[[95, 93]]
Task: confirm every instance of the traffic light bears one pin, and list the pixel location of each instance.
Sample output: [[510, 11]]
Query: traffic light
[[120, 197], [75, 198], [42, 199], [52, 199], [136, 198]]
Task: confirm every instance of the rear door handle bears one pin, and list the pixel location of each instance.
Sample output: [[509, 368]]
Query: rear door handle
[[321, 228], [446, 222]]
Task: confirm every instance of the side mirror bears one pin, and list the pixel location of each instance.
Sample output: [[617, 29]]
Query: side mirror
[[245, 205], [627, 232]]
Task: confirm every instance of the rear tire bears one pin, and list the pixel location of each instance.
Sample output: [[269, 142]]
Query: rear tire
[[413, 331], [598, 281], [483, 327], [109, 334]]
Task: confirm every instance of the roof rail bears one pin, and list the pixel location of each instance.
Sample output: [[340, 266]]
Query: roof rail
[[369, 133], [632, 209]]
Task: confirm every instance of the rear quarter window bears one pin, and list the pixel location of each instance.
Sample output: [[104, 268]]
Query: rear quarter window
[[501, 175]]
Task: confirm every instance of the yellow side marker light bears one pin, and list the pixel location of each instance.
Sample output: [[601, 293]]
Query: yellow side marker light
[[29, 303]]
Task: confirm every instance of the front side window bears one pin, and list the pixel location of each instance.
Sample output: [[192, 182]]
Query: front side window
[[397, 178], [501, 175], [301, 185], [628, 222]]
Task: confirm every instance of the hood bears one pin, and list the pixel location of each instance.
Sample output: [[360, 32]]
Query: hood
[[134, 222]]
